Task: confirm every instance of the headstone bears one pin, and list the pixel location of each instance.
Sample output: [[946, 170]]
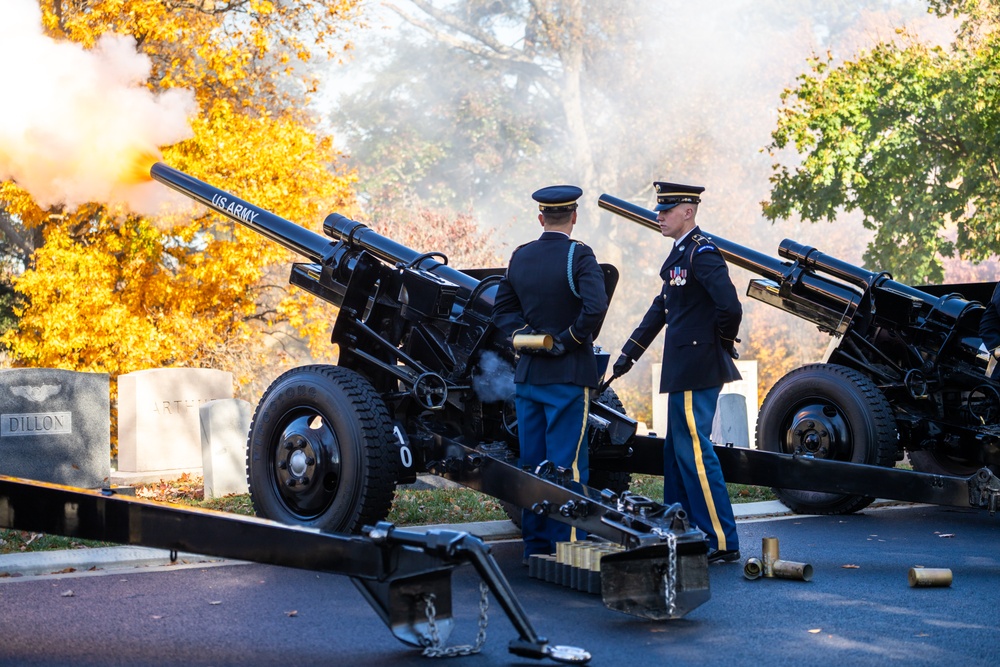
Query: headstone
[[159, 424], [55, 426], [730, 423], [225, 424], [747, 388]]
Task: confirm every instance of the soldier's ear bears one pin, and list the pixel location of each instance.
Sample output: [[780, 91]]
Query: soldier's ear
[[541, 219]]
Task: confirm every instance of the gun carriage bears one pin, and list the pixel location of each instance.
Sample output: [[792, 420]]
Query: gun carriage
[[905, 375], [424, 383]]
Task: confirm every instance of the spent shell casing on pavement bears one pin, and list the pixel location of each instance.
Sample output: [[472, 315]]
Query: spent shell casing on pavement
[[930, 577], [769, 554], [753, 568], [788, 569]]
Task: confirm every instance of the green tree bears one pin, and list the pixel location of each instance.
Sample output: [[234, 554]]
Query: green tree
[[907, 134]]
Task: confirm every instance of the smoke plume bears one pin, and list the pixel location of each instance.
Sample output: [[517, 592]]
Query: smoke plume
[[494, 379], [75, 123]]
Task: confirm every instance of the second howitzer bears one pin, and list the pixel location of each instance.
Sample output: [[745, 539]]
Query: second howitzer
[[424, 384], [905, 374]]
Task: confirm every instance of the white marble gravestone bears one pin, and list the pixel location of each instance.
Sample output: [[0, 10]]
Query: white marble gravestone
[[55, 426], [727, 410], [225, 424], [159, 423]]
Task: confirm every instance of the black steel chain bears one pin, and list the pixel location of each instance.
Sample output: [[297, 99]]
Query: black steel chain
[[432, 643]]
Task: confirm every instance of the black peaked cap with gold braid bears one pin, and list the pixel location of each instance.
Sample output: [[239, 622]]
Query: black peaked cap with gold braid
[[669, 195], [557, 198]]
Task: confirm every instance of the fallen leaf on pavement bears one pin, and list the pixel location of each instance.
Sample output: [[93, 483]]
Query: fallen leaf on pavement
[[816, 631], [851, 566], [215, 602], [291, 613], [947, 535], [66, 594]]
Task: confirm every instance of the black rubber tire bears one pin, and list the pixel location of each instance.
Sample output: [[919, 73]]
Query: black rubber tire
[[608, 479], [833, 412], [599, 479], [940, 464], [326, 429]]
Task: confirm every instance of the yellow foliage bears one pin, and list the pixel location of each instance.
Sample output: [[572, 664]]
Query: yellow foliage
[[112, 292]]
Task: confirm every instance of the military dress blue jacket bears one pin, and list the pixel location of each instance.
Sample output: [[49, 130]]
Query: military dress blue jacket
[[548, 290], [989, 326], [701, 313]]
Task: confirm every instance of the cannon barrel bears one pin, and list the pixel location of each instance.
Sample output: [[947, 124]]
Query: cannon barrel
[[828, 303], [951, 306], [799, 289], [296, 238], [316, 247], [359, 235], [747, 258]]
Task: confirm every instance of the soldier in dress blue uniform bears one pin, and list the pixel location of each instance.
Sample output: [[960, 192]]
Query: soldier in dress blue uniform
[[989, 330], [699, 310], [553, 286]]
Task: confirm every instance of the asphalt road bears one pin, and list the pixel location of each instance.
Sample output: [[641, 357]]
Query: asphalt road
[[255, 615]]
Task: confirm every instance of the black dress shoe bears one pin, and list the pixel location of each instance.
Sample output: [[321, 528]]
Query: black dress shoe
[[728, 556]]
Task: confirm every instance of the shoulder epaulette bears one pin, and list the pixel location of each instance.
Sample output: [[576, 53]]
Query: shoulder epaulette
[[702, 244]]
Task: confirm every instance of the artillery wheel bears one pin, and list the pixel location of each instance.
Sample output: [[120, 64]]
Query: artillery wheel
[[599, 479], [321, 451], [831, 412], [941, 464]]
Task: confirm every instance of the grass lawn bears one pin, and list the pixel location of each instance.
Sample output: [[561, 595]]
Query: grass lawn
[[412, 507]]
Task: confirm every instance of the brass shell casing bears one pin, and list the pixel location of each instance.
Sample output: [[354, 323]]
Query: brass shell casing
[[753, 568], [769, 554], [532, 342], [927, 577], [787, 569]]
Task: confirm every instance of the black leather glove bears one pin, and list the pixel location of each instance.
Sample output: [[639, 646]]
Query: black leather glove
[[730, 347], [623, 365], [557, 349]]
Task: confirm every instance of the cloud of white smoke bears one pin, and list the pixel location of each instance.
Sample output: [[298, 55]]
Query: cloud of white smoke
[[75, 121]]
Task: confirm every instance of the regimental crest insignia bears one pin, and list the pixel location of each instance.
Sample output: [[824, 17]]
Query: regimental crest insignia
[[36, 394]]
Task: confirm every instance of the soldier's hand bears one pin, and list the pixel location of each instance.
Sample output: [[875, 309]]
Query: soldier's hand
[[623, 365], [730, 347], [557, 349]]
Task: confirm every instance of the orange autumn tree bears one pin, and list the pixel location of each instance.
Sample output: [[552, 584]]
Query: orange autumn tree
[[106, 290]]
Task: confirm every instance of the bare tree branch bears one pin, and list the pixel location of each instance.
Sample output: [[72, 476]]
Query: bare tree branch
[[484, 46]]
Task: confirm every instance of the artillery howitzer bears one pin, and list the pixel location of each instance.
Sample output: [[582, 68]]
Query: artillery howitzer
[[905, 374], [424, 383]]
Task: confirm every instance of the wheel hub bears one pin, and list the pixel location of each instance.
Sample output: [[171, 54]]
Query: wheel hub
[[818, 430], [306, 464], [299, 463]]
